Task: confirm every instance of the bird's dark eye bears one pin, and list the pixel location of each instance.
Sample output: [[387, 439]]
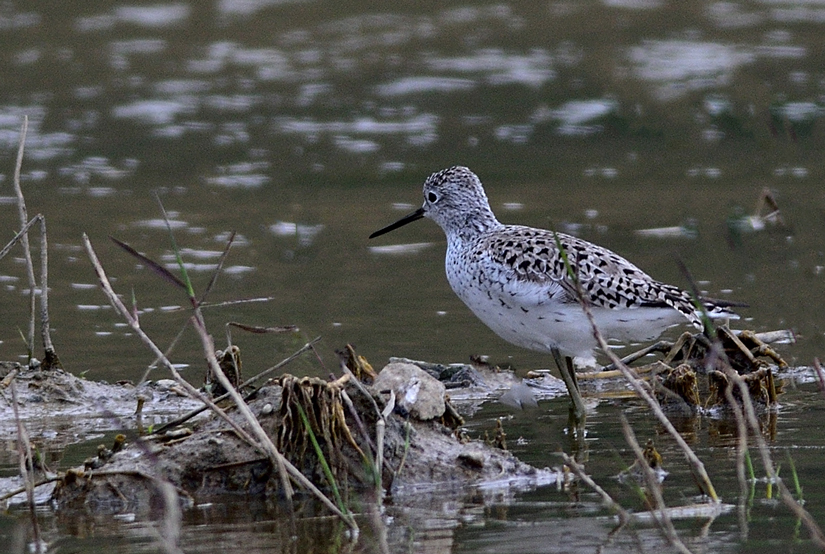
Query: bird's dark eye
[[432, 197]]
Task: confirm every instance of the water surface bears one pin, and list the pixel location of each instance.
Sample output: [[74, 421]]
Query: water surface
[[304, 126]]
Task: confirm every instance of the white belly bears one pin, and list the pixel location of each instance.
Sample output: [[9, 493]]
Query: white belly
[[529, 317]]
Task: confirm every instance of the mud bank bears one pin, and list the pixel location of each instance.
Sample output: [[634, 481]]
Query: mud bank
[[330, 431], [206, 458], [60, 408]]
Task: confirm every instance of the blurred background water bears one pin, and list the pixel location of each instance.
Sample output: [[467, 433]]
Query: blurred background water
[[306, 125]]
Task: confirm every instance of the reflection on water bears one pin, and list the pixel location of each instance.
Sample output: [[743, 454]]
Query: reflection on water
[[646, 126]]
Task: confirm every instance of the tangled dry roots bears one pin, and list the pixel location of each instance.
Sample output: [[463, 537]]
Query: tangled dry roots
[[761, 387], [678, 385], [322, 404]]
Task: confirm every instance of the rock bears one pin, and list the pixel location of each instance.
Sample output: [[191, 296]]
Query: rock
[[415, 390]]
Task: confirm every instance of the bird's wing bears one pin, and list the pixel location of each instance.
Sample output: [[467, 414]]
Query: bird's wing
[[535, 268]]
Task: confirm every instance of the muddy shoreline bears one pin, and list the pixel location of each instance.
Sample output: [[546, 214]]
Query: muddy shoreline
[[328, 430], [206, 458]]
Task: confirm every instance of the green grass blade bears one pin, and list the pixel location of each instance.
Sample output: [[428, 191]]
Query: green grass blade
[[795, 476], [324, 465], [188, 284]]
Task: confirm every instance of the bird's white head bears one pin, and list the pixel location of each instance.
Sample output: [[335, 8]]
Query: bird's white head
[[455, 199]]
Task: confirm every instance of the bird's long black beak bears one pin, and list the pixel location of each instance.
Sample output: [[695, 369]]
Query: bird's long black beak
[[416, 215]]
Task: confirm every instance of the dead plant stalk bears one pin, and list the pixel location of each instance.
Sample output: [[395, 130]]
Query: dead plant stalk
[[641, 388], [24, 240], [269, 449], [659, 511], [741, 452], [19, 236], [624, 516], [784, 494], [24, 453], [250, 381], [50, 357]]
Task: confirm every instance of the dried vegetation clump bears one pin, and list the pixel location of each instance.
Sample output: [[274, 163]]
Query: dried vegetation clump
[[696, 372]]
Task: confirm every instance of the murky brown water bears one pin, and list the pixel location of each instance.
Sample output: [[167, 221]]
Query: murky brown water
[[305, 126]]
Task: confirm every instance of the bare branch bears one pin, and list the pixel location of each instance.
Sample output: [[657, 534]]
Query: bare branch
[[23, 216]]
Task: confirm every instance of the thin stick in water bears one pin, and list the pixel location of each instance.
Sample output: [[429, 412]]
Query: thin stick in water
[[23, 216]]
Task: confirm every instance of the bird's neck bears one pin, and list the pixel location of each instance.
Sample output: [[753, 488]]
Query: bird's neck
[[471, 225]]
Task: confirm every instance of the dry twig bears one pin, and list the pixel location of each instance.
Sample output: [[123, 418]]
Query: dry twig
[[784, 494], [659, 511], [250, 381], [24, 454], [24, 240], [624, 516], [265, 445], [642, 389]]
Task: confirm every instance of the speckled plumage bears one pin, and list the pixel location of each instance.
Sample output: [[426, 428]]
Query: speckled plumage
[[514, 277]]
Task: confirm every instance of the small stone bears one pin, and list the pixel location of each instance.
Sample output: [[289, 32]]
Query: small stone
[[471, 459], [415, 390]]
